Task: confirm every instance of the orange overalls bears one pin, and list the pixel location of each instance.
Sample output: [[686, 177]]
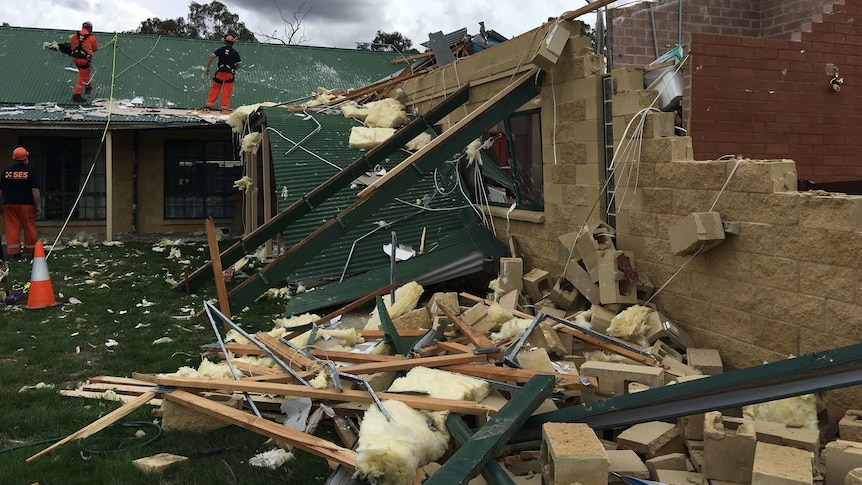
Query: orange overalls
[[17, 184], [83, 45]]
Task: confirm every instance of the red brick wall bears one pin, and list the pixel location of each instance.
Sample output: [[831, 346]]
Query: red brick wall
[[632, 32], [770, 98]]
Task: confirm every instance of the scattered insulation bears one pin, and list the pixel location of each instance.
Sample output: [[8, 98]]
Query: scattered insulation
[[602, 356], [38, 386], [362, 138], [386, 113], [271, 459], [512, 329], [406, 298], [320, 381], [244, 184], [251, 142], [273, 293], [630, 323], [799, 411], [237, 119], [442, 384], [584, 318], [163, 340], [296, 321], [474, 152], [496, 289], [419, 142], [499, 314], [322, 96], [352, 110]]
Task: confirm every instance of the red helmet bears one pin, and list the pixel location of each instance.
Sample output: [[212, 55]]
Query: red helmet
[[229, 38], [20, 153], [87, 25]]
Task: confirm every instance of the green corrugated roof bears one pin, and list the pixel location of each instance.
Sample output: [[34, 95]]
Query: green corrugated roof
[[299, 172], [167, 72]]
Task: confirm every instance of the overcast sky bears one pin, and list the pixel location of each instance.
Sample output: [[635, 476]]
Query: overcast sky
[[329, 23]]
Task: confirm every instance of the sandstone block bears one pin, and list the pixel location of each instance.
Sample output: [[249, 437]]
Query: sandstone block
[[626, 462], [728, 448], [841, 457], [535, 359], [415, 319], [563, 294], [157, 463], [601, 318], [537, 283], [627, 79], [781, 465], [807, 439], [850, 426], [677, 477], [613, 378], [697, 231], [617, 277], [578, 276], [450, 299], [572, 453], [652, 439], [511, 274], [544, 336], [707, 361], [670, 461], [854, 477]]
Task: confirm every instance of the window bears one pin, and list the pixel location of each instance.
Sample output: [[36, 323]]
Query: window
[[63, 164], [199, 177], [517, 151]]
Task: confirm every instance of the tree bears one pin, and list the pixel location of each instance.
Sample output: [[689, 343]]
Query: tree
[[204, 21], [387, 42], [294, 32]]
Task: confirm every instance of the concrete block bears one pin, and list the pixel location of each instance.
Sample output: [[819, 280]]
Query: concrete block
[[601, 318], [524, 463], [511, 274], [535, 359], [415, 319], [671, 461], [613, 379], [708, 361], [850, 426], [677, 369], [157, 463], [691, 426], [617, 277], [548, 52], [563, 294], [509, 301], [566, 245], [660, 327], [728, 448], [696, 231], [661, 349], [627, 79], [626, 462], [677, 477], [645, 287], [652, 439], [807, 439], [841, 457], [578, 276], [538, 284], [450, 299], [572, 453], [781, 465], [544, 336], [854, 477], [474, 314], [592, 238]]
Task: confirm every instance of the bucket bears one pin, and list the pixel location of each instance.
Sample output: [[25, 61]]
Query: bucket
[[668, 82]]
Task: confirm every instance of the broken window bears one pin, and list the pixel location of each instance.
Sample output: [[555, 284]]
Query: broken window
[[515, 155], [199, 177], [63, 164]]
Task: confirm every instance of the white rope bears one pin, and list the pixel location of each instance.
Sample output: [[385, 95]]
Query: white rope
[[297, 145]]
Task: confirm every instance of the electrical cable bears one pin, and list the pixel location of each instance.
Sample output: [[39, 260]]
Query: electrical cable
[[132, 424]]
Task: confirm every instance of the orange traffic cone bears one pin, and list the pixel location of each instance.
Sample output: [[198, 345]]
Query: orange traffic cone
[[41, 293]]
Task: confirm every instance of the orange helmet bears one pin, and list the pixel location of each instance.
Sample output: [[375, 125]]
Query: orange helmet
[[229, 38], [20, 153]]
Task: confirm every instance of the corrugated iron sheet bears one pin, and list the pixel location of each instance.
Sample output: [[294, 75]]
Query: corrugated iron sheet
[[443, 213], [168, 72]]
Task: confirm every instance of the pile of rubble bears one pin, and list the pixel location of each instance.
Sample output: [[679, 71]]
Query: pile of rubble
[[390, 383]]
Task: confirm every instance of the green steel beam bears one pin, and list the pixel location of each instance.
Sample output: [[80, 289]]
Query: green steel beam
[[813, 372], [492, 472], [422, 163], [488, 440], [327, 189]]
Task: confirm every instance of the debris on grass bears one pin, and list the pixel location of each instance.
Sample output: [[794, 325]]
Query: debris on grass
[[38, 386], [271, 459]]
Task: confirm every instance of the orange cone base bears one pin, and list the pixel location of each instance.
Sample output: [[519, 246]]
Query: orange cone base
[[41, 295]]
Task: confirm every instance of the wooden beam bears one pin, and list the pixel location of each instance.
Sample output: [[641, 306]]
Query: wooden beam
[[284, 352], [456, 348], [407, 364], [218, 273], [476, 338], [521, 376], [416, 402], [355, 357], [378, 334], [276, 431], [573, 14], [610, 347], [101, 423]]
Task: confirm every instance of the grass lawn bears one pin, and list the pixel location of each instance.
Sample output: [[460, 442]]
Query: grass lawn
[[111, 332]]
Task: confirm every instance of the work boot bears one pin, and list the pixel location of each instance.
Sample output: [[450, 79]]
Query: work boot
[[88, 89], [77, 98]]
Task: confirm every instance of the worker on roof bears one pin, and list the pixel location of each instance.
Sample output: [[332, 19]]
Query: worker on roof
[[21, 203], [223, 80], [83, 44]]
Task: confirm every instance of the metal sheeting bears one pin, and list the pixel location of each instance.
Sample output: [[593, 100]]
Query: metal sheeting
[[167, 72], [298, 171]]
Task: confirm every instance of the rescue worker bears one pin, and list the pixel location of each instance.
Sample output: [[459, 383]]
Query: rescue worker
[[223, 80], [21, 203], [83, 44]]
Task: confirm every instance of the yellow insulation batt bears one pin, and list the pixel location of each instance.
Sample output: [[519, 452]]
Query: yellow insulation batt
[[499, 314], [362, 138], [419, 142], [386, 113], [352, 110], [251, 142], [406, 298], [390, 452], [799, 411], [630, 323], [512, 329], [236, 120], [244, 184]]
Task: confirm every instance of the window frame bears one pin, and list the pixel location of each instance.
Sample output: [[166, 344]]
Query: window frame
[[208, 178]]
